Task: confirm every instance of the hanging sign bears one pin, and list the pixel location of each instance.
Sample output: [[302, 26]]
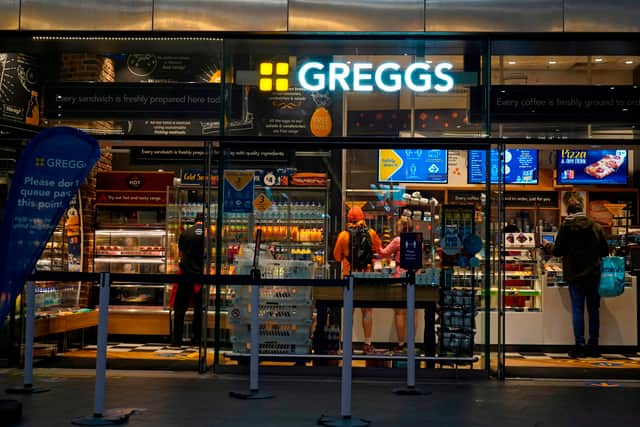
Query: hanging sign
[[238, 191]]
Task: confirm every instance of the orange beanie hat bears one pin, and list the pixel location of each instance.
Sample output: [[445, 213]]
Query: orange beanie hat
[[355, 214]]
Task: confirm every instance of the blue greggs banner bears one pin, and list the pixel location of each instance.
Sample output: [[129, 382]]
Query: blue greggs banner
[[49, 172]]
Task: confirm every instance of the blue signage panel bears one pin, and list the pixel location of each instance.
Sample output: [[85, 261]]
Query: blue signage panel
[[592, 167], [520, 166], [411, 251], [48, 174], [238, 191], [429, 166]]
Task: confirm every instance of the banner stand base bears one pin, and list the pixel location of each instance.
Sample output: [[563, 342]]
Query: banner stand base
[[343, 422], [109, 418], [27, 389], [251, 395], [410, 391]]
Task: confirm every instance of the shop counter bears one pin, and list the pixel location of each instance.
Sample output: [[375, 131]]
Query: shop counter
[[618, 317], [553, 325], [60, 324], [380, 296], [133, 320]]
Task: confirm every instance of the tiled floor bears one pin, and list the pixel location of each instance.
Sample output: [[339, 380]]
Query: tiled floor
[[187, 399]]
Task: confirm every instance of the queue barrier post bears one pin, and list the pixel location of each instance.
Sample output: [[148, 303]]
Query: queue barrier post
[[102, 417], [410, 389], [346, 419], [254, 360], [30, 319]]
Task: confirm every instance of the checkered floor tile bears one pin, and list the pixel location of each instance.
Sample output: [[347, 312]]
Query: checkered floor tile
[[543, 355], [151, 348]]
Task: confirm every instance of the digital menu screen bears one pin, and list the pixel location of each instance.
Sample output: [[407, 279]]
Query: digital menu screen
[[592, 167], [520, 166], [427, 166]]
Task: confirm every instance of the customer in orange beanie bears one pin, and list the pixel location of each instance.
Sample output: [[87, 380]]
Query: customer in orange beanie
[[344, 252]]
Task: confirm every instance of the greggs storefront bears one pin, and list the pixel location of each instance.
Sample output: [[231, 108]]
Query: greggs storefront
[[476, 142]]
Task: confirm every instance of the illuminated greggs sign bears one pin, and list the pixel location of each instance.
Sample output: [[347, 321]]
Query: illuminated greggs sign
[[359, 77], [364, 77]]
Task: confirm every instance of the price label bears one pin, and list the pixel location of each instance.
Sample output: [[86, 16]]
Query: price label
[[262, 203]]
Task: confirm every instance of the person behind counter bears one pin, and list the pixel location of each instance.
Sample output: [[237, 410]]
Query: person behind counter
[[191, 245], [345, 252], [581, 242], [392, 250]]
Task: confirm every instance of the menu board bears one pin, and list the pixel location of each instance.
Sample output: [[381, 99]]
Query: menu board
[[520, 166], [592, 167], [427, 166]]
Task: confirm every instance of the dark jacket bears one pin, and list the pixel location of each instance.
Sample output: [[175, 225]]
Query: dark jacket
[[581, 243], [191, 245]]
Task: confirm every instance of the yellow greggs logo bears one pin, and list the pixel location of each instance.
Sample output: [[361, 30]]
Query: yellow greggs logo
[[274, 77]]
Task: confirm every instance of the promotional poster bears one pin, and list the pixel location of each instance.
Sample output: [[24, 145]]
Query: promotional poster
[[595, 167]]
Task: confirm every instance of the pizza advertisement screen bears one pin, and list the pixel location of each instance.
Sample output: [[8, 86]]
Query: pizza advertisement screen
[[589, 167]]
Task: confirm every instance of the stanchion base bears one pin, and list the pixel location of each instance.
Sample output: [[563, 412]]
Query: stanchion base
[[343, 422], [27, 389], [410, 391], [251, 395], [109, 418]]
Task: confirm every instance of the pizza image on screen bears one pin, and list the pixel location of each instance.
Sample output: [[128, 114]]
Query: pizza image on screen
[[605, 166]]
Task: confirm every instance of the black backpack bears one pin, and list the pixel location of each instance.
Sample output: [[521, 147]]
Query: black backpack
[[361, 251]]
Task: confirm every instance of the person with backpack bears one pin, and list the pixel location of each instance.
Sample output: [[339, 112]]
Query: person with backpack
[[581, 242], [355, 249]]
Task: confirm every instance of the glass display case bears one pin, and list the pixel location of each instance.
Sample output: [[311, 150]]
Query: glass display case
[[523, 288], [132, 240], [52, 258]]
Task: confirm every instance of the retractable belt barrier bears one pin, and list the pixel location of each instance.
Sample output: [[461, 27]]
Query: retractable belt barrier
[[117, 416]]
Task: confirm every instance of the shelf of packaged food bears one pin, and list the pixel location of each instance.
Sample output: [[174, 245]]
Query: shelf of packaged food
[[515, 208], [131, 260], [130, 285], [121, 231], [283, 188], [129, 253], [289, 244], [103, 227], [513, 291], [280, 221]]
